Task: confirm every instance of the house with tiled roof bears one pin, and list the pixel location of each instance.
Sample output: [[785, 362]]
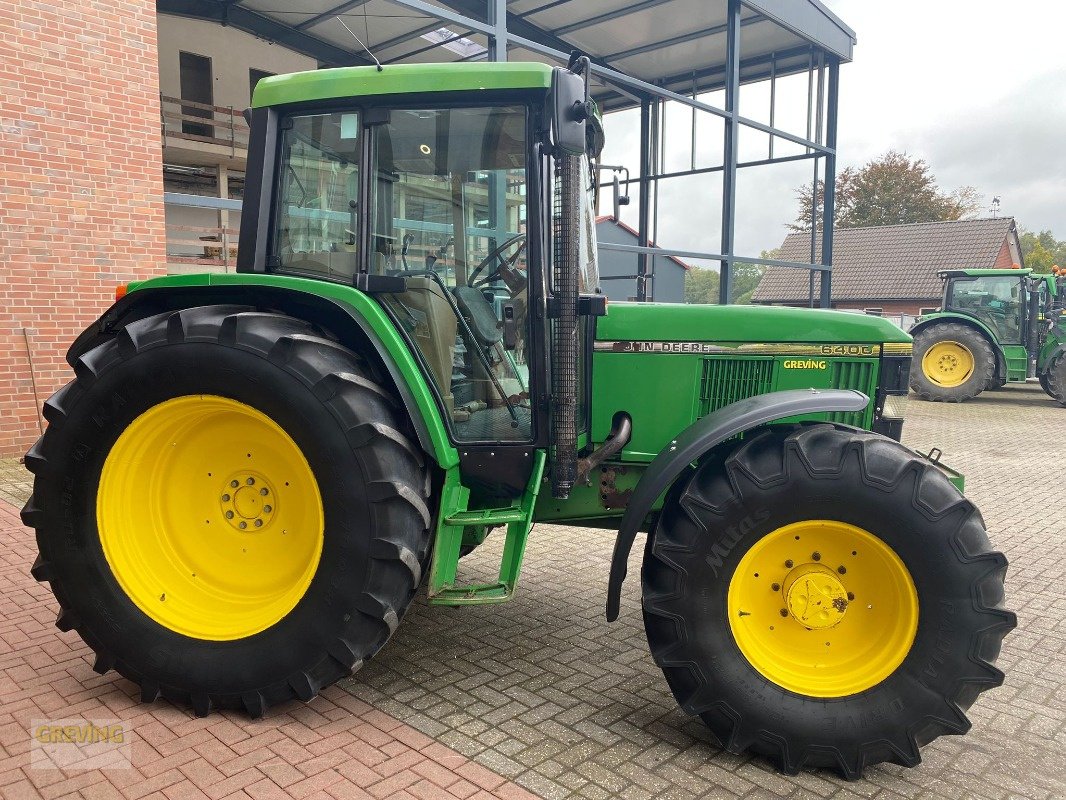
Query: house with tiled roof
[[619, 268], [892, 269]]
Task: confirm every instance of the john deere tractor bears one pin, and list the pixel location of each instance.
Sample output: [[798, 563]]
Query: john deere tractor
[[252, 474], [995, 326]]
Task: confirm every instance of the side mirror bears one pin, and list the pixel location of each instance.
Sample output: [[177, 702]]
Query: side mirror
[[619, 198], [569, 111]]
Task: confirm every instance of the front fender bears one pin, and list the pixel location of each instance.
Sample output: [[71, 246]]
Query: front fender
[[699, 438]]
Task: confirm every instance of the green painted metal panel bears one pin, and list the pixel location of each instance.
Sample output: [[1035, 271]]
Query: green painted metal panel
[[398, 79], [707, 323], [443, 451], [1017, 360]]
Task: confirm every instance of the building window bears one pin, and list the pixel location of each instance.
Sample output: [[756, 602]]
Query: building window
[[197, 87], [874, 312], [924, 311], [254, 76]]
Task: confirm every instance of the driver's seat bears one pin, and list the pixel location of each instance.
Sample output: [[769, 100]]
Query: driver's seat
[[479, 313]]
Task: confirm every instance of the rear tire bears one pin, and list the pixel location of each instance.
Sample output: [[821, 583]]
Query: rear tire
[[372, 528], [952, 363], [822, 481], [1054, 380]]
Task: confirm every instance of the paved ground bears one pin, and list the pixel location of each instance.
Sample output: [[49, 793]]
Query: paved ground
[[335, 748], [543, 692]]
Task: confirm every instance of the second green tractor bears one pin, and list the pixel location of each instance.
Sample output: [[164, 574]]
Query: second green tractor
[[995, 326]]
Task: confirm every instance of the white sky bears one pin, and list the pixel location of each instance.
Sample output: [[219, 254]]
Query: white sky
[[977, 89]]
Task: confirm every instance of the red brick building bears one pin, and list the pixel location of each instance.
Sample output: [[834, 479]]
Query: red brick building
[[81, 184], [892, 270]]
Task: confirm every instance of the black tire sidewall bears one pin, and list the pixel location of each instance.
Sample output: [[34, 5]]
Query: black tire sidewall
[[923, 545], [107, 614], [983, 355]]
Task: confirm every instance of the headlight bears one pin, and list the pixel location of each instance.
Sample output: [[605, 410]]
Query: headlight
[[895, 406]]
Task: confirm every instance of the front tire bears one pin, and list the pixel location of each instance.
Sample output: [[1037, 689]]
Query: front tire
[[228, 508], [952, 363], [823, 597]]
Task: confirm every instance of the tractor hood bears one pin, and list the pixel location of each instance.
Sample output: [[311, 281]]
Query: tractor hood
[[670, 322]]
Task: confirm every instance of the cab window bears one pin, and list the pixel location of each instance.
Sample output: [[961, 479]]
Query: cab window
[[449, 213], [315, 228], [995, 300]]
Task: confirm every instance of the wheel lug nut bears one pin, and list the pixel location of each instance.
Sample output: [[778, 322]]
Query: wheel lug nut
[[267, 509], [776, 587], [789, 563], [259, 523], [816, 556], [229, 515], [234, 483], [784, 612], [842, 569], [225, 498], [264, 491], [243, 525], [250, 481]]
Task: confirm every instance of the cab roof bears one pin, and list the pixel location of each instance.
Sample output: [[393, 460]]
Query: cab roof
[[981, 273], [328, 84]]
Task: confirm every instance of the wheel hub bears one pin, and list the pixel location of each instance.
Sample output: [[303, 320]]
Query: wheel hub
[[814, 597], [249, 501]]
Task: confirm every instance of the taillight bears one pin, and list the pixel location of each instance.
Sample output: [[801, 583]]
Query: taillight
[[120, 291]]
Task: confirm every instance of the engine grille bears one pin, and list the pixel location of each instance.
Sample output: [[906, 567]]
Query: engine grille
[[726, 380], [852, 375]]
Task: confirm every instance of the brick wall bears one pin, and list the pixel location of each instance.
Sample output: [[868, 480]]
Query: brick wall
[[81, 194], [1004, 260]]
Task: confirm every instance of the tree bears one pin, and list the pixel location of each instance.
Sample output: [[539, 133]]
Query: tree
[[893, 189], [701, 285], [1041, 251]]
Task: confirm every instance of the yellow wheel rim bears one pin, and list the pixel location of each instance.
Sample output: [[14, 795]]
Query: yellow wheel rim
[[948, 364], [210, 517], [823, 608]]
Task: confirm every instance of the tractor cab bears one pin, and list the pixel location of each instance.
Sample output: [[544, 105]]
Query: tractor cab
[[998, 298]]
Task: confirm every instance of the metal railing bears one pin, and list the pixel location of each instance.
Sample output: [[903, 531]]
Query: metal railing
[[213, 246], [189, 121]]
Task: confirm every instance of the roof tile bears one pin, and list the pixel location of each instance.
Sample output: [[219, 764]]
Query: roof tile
[[892, 262]]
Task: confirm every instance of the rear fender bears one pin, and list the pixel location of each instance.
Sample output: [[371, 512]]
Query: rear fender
[[700, 438], [357, 322]]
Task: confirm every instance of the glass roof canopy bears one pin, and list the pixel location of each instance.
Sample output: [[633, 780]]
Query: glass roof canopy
[[644, 53]]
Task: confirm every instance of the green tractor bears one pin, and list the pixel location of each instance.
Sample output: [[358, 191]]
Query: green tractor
[[252, 474], [995, 326]]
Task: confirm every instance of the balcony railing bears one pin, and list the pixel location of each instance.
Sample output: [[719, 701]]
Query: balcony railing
[[213, 247], [188, 121]]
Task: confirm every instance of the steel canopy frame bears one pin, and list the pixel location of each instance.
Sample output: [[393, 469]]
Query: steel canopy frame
[[820, 42]]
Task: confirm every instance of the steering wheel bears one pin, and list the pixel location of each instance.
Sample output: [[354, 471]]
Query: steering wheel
[[497, 256]]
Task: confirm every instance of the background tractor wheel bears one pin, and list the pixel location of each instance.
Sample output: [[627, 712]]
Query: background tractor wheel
[[227, 507], [1054, 380], [822, 596], [952, 362]]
